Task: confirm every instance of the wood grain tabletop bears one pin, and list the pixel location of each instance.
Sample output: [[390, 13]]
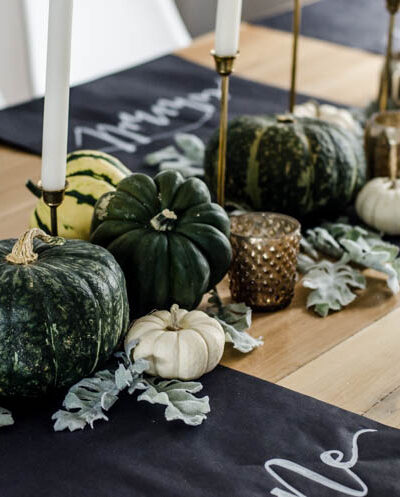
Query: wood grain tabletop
[[350, 359]]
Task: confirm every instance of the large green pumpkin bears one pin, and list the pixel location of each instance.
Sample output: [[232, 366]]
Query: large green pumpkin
[[293, 165], [63, 311], [170, 240]]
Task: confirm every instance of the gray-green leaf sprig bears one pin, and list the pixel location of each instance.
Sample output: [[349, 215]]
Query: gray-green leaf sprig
[[187, 157], [90, 399], [6, 418], [235, 319], [332, 284]]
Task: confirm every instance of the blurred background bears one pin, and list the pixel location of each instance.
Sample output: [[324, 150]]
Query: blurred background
[[108, 35]]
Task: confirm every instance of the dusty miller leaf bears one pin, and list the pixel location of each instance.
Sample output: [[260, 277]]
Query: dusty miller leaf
[[331, 283], [86, 402], [165, 154], [192, 147], [304, 263], [235, 319], [6, 418], [377, 257], [308, 248], [179, 399], [188, 160], [324, 242]]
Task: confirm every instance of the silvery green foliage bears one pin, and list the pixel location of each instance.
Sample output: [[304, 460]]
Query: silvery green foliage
[[178, 397], [308, 248], [89, 400], [235, 319], [377, 257], [362, 246], [304, 263], [331, 283], [323, 241], [6, 418], [187, 159]]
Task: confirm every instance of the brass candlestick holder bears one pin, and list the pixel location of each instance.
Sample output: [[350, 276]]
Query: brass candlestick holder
[[53, 199], [296, 32], [224, 66], [392, 7]]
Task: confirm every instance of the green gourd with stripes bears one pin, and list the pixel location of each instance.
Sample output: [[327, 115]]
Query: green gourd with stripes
[[90, 174], [297, 166]]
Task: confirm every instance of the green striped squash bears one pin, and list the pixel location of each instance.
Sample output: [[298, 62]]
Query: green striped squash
[[90, 174], [292, 165]]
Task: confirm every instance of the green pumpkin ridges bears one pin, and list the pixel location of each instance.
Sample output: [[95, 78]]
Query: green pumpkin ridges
[[347, 176], [213, 244], [107, 158], [168, 183], [50, 327], [192, 192], [143, 189], [253, 168], [212, 214], [186, 259], [81, 198], [324, 160]]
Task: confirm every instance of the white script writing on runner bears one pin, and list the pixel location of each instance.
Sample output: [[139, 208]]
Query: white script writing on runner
[[332, 458], [130, 130]]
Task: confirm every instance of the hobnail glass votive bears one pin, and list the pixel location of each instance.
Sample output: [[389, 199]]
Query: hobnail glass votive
[[263, 271]]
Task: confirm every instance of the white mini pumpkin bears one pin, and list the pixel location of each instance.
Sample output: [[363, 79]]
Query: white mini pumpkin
[[378, 205], [178, 344]]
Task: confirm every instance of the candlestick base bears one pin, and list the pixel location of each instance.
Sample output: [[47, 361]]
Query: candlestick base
[[53, 199]]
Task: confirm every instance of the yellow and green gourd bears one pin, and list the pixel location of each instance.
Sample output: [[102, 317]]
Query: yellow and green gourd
[[90, 174]]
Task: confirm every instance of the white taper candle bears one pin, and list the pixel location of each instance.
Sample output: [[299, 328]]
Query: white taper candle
[[56, 105], [227, 29]]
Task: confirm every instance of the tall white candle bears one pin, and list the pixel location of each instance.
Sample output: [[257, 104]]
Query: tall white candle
[[227, 29], [56, 105]]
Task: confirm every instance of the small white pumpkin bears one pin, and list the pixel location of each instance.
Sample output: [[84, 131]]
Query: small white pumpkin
[[378, 205], [178, 344], [328, 113]]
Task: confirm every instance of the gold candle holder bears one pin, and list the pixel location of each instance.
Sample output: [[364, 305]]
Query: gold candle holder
[[224, 66], [377, 147], [53, 199], [392, 7], [265, 247], [296, 32]]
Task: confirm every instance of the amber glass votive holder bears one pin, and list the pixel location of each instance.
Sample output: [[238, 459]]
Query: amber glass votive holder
[[263, 271]]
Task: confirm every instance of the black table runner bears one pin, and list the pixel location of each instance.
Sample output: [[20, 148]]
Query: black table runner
[[259, 439], [355, 23], [136, 111]]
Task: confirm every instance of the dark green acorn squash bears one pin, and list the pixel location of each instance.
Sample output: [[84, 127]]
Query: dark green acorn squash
[[292, 165], [63, 312], [170, 240]]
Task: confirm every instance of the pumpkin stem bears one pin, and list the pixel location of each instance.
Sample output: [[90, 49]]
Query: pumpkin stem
[[164, 220], [23, 252], [174, 326]]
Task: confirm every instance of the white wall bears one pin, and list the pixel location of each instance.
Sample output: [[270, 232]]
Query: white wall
[[107, 36], [15, 82]]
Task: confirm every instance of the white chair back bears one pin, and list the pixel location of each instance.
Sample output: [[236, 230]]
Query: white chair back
[[107, 36]]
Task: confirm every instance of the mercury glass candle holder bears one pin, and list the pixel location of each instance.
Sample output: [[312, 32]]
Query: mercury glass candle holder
[[263, 271], [377, 146]]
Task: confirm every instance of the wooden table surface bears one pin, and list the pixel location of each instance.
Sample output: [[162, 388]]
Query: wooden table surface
[[350, 359]]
